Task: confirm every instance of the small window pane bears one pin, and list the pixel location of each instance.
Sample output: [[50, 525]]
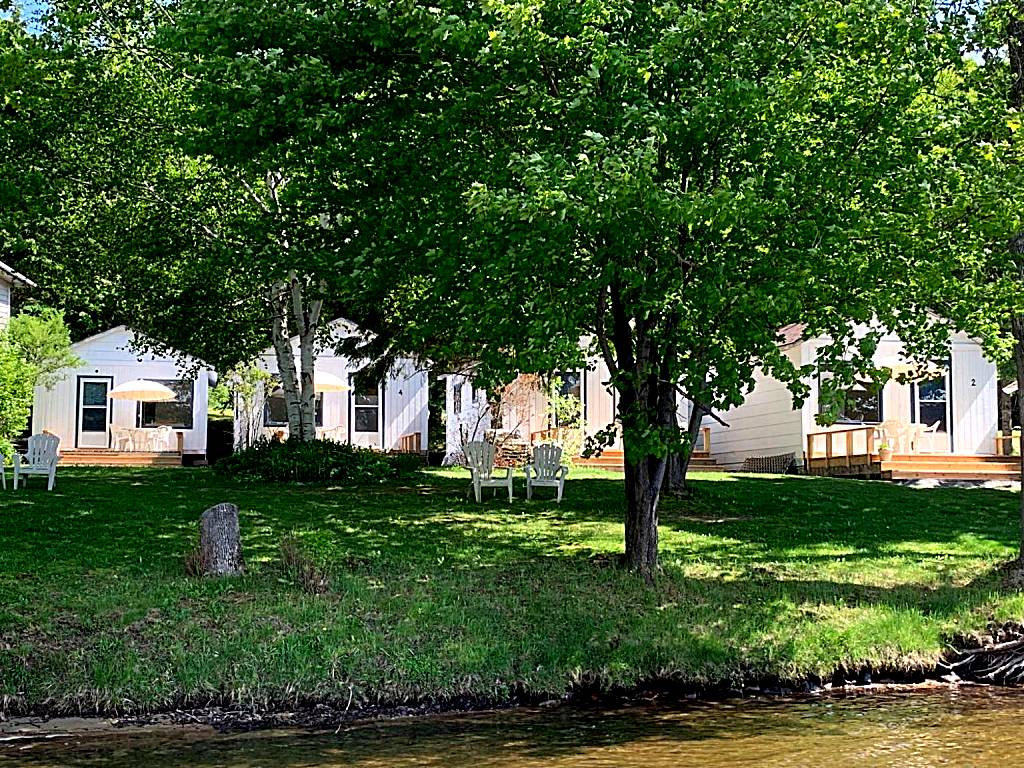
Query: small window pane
[[94, 419], [457, 397], [367, 420], [94, 393], [934, 390], [933, 412]]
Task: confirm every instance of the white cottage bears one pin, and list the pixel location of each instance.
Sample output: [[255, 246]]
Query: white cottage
[[387, 415], [9, 280], [94, 428], [957, 403]]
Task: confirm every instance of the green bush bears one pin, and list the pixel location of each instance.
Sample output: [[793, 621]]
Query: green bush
[[316, 461]]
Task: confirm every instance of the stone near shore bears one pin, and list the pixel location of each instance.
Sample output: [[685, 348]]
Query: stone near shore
[[220, 541]]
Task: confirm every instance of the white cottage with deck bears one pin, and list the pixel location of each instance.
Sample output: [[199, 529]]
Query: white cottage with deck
[[940, 424], [96, 429], [389, 415]]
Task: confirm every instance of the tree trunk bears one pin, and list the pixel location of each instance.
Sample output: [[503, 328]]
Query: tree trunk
[[306, 321], [679, 463], [293, 318], [285, 358], [220, 541], [644, 476], [1005, 409], [1017, 325]]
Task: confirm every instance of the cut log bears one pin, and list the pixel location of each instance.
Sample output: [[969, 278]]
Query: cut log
[[220, 541]]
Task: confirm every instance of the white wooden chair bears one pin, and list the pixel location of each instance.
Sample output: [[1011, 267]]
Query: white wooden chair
[[546, 471], [480, 460], [41, 459]]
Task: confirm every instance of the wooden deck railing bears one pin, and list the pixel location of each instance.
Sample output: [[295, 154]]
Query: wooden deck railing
[[1005, 444], [841, 445], [410, 443]]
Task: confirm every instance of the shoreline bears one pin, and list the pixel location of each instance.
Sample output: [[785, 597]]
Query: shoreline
[[320, 716]]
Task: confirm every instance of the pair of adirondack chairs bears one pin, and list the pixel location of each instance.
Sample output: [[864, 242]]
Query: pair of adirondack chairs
[[40, 459], [546, 471]]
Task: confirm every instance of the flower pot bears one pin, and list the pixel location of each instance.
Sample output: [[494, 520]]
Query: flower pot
[[885, 454]]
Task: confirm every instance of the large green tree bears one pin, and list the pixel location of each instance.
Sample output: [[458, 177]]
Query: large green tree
[[675, 182]]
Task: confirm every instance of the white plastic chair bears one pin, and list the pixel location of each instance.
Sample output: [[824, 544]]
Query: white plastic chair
[[480, 460], [546, 471], [928, 434], [41, 459], [121, 437], [160, 438]]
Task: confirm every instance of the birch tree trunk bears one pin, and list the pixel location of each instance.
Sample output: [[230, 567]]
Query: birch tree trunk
[[285, 357], [292, 317], [307, 320]]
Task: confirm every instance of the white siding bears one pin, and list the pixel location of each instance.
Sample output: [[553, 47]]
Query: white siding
[[108, 355], [5, 302], [468, 423], [765, 424]]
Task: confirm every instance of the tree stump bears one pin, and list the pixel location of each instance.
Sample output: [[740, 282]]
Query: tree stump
[[220, 541]]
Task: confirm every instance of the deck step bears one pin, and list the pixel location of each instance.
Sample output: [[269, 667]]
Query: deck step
[[98, 457], [614, 461]]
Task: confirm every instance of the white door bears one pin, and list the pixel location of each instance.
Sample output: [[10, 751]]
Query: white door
[[93, 413]]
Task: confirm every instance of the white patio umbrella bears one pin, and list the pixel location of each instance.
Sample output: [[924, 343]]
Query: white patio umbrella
[[142, 390], [328, 382]]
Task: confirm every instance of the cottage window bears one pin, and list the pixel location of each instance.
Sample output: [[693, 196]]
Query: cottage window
[[275, 411], [170, 413], [366, 404], [457, 397]]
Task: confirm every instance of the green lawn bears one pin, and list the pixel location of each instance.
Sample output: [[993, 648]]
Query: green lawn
[[432, 595]]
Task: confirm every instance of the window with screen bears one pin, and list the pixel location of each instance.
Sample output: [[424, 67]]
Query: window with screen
[[932, 400], [366, 404], [170, 413]]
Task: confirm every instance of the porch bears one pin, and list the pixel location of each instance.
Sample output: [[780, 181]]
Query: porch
[[857, 452]]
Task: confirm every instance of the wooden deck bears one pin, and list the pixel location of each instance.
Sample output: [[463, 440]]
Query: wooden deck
[[613, 460], [853, 452], [99, 457]]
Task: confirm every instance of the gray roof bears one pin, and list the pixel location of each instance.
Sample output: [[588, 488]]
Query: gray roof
[[15, 277]]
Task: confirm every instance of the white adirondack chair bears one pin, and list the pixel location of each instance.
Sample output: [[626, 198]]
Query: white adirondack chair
[[480, 460], [546, 471], [41, 459]]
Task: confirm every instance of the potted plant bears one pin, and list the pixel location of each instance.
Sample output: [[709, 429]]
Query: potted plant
[[885, 452]]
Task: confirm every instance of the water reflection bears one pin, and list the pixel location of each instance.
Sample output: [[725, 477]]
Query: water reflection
[[972, 727]]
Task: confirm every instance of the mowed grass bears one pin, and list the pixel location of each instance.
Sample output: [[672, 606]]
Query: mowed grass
[[433, 596]]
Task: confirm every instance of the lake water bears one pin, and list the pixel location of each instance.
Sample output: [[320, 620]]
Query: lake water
[[969, 727]]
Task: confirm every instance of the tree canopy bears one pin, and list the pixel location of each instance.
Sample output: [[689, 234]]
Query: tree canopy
[[671, 182]]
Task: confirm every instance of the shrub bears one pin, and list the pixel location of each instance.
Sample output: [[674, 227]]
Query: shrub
[[315, 461]]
